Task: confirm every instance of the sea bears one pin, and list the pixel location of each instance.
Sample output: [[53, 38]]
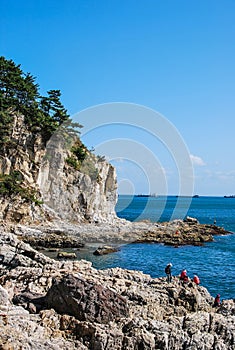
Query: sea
[[214, 262]]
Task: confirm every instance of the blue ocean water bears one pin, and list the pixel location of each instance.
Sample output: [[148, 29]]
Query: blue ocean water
[[213, 262]]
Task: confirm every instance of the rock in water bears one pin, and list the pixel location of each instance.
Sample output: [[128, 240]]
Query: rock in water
[[66, 255], [105, 250], [86, 300]]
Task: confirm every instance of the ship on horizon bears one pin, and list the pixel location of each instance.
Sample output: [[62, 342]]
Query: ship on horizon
[[146, 195]]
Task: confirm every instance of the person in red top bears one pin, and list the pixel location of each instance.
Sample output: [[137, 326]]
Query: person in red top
[[196, 279], [183, 275], [217, 300]]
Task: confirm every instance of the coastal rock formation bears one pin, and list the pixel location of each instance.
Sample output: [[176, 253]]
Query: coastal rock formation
[[106, 249], [47, 239], [150, 313], [89, 194], [86, 300], [179, 232], [66, 255], [63, 234], [40, 183]]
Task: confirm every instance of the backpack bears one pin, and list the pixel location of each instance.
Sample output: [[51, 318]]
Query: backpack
[[167, 269]]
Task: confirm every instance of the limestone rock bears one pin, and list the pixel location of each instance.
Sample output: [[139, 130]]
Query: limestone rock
[[87, 194], [107, 309]]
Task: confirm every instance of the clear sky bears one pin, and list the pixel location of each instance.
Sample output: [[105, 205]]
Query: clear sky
[[175, 57]]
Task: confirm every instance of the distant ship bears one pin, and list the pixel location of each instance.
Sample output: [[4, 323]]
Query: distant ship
[[196, 196], [233, 196], [146, 195]]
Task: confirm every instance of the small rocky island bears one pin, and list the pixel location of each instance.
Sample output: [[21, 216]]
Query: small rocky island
[[55, 194]]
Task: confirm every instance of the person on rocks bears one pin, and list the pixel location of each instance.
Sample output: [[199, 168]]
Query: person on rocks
[[168, 272], [183, 276], [196, 279], [217, 301]]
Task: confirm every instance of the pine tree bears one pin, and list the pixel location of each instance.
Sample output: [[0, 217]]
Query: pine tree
[[19, 92]]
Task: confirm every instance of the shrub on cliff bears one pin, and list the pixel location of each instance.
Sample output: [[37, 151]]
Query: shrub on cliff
[[12, 185]]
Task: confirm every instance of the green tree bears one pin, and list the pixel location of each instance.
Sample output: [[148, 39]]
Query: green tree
[[17, 89], [19, 92]]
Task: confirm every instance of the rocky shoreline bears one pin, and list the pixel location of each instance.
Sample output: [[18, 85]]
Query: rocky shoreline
[[61, 234], [51, 304]]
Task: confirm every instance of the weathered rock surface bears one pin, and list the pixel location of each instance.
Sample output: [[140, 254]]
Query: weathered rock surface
[[160, 315], [87, 194], [179, 232], [43, 239], [63, 234], [86, 300]]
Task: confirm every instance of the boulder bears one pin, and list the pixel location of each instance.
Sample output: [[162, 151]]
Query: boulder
[[86, 300], [66, 255], [105, 250]]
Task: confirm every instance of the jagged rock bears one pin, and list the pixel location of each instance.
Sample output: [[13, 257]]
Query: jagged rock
[[87, 301], [160, 315], [31, 301], [89, 194], [105, 250], [85, 195], [179, 232], [227, 308]]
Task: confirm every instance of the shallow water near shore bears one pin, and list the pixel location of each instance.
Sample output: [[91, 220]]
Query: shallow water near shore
[[213, 262]]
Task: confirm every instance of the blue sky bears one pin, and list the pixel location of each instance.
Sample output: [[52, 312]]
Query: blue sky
[[175, 57]]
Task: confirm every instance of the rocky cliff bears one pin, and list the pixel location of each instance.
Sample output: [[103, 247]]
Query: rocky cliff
[[51, 304], [39, 183], [88, 194]]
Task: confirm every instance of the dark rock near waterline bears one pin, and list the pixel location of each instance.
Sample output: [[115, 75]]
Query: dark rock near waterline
[[86, 300], [66, 255], [53, 240], [105, 250]]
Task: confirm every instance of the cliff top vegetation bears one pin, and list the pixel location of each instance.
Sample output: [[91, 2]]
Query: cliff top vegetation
[[19, 92]]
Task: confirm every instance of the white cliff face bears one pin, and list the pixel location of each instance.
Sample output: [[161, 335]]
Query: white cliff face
[[22, 153], [76, 195], [88, 194]]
